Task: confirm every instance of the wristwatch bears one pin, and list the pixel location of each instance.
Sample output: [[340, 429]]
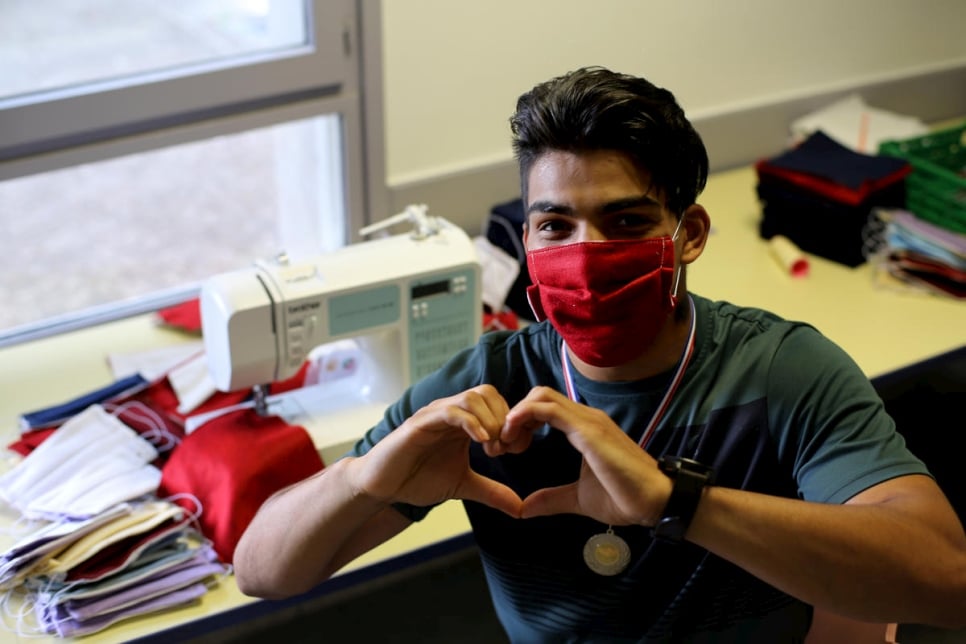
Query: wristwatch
[[689, 477]]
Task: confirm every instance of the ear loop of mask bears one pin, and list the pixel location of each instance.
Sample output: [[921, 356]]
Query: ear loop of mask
[[49, 592], [192, 516], [215, 579], [157, 433], [21, 615], [677, 278], [193, 523], [23, 526], [46, 598]]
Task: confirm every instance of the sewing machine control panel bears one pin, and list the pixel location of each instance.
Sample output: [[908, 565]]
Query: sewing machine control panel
[[442, 310], [442, 313]]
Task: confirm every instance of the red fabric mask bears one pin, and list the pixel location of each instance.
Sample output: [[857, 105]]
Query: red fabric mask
[[232, 464], [607, 299]]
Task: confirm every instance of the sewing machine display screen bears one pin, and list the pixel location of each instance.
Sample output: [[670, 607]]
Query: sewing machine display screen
[[442, 320], [433, 288]]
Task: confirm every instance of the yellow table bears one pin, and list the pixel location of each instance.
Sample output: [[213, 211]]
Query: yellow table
[[883, 331]]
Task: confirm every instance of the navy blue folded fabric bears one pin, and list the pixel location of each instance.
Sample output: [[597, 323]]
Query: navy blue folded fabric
[[824, 157], [57, 414]]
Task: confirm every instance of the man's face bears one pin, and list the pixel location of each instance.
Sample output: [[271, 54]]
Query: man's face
[[591, 196]]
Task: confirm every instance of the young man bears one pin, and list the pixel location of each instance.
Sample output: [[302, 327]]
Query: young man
[[646, 464]]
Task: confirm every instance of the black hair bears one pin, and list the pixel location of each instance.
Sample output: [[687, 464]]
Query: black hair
[[593, 108]]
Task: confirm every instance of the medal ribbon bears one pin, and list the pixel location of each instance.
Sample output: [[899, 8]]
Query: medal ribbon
[[686, 355]]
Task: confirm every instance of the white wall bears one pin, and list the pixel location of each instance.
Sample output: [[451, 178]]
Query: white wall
[[454, 68]]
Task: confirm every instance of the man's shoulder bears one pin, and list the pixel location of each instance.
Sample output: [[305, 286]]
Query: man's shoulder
[[750, 334], [726, 311]]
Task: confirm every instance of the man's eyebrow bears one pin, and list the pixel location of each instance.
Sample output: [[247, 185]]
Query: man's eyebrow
[[628, 203], [549, 206], [617, 205]]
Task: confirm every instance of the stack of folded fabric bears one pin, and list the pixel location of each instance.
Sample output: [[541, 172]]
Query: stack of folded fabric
[[922, 255], [102, 547], [76, 577], [820, 196]]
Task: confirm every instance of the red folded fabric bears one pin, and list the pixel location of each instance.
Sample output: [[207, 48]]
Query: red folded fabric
[[29, 440], [829, 189], [185, 316], [232, 464]]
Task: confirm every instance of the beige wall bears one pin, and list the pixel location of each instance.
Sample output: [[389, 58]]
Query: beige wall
[[453, 68]]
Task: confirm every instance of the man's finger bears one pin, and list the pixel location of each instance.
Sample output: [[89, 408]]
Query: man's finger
[[487, 405], [485, 490], [552, 500]]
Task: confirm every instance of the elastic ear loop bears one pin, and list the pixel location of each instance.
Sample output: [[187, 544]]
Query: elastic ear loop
[[47, 597], [195, 525], [20, 615], [23, 525], [215, 579], [44, 608], [677, 278], [157, 433], [192, 516]]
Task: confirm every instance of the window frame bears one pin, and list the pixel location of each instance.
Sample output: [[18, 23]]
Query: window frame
[[338, 70]]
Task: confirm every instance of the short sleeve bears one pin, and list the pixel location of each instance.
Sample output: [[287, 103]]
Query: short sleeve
[[830, 422]]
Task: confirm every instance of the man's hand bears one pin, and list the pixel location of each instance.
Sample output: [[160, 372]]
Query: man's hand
[[619, 483], [426, 459]]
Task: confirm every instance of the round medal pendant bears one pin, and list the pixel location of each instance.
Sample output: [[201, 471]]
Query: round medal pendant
[[607, 554]]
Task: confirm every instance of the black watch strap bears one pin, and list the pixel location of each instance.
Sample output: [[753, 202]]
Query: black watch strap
[[690, 478]]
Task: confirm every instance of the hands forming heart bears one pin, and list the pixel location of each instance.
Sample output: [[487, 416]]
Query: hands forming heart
[[426, 461]]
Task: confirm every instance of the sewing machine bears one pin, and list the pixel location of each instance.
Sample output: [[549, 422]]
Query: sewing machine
[[371, 318]]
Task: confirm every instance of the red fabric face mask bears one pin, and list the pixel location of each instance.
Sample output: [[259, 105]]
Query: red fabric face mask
[[608, 299], [232, 464]]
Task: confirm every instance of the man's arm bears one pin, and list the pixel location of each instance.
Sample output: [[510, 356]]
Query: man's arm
[[895, 552], [306, 532]]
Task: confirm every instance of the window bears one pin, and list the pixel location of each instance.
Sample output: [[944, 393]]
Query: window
[[145, 145]]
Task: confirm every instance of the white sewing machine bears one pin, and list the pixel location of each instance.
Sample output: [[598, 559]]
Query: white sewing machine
[[371, 317]]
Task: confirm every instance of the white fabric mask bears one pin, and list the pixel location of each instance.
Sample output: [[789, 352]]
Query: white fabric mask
[[101, 492], [40, 469], [87, 465]]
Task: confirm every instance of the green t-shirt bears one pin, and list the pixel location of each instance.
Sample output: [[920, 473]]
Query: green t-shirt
[[771, 405]]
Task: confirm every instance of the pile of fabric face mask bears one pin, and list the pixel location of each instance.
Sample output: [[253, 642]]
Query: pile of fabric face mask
[[99, 546], [922, 255]]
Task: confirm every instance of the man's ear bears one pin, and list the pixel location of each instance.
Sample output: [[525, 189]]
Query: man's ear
[[696, 228], [526, 230]]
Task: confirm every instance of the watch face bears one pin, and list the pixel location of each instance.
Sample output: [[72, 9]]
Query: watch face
[[671, 465], [689, 478], [669, 529]]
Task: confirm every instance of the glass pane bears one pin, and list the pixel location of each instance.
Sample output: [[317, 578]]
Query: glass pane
[[53, 44], [123, 228]]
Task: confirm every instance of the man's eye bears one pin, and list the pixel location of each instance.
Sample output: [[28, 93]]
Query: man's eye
[[552, 225], [632, 221]]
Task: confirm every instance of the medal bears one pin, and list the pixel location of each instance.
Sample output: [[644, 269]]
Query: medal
[[606, 553]]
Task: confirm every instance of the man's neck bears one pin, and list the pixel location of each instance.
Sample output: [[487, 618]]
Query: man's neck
[[663, 355]]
